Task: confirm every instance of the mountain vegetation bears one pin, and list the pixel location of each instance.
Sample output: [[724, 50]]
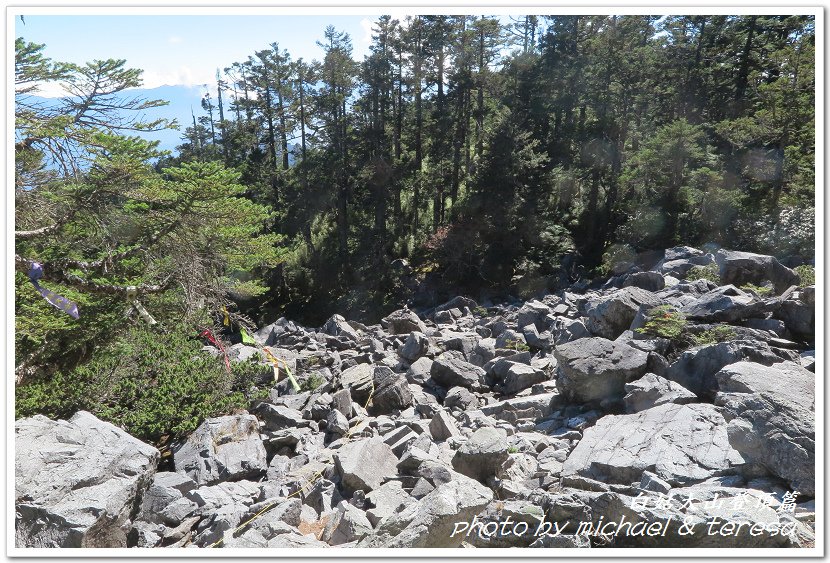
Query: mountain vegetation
[[461, 156]]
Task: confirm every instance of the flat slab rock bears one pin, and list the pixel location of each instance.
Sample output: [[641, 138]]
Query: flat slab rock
[[77, 481], [681, 444], [774, 418]]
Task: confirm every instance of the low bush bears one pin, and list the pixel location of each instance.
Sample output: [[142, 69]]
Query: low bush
[[147, 382], [806, 274], [709, 272], [665, 322], [760, 290], [720, 333]]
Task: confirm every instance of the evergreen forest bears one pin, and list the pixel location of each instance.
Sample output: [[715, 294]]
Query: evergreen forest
[[465, 155]]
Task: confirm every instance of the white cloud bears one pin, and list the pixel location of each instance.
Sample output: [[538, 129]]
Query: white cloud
[[49, 90], [182, 75], [367, 25], [174, 39]]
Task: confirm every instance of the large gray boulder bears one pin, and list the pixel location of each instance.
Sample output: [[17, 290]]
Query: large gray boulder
[[391, 393], [650, 281], [365, 464], [652, 390], [358, 380], [772, 410], [347, 524], [226, 448], [403, 321], [451, 370], [611, 315], [430, 522], [386, 500], [482, 454], [566, 330], [338, 326], [680, 259], [695, 369], [77, 483], [593, 369], [681, 444], [520, 377], [741, 268], [725, 303], [415, 346], [533, 313], [799, 313]]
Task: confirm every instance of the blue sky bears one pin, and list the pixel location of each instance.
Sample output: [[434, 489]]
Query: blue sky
[[185, 50]]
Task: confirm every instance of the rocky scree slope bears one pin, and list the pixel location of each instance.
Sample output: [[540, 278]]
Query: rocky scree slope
[[554, 411]]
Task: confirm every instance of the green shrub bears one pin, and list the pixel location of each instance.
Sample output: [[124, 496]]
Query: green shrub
[[480, 311], [146, 382], [664, 321], [709, 272], [313, 381], [806, 274], [761, 290], [720, 333], [516, 345], [513, 449]]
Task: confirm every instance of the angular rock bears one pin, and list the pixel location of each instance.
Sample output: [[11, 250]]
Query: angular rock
[[365, 464], [482, 454], [593, 369], [77, 481], [725, 303], [511, 340], [774, 418], [458, 302], [415, 346], [460, 398], [650, 281], [696, 368], [346, 525], [277, 417], [450, 370], [386, 500], [336, 423], [403, 321], [269, 335], [358, 380], [323, 497], [430, 521], [681, 444], [652, 390], [610, 315], [391, 392], [521, 376], [337, 326], [342, 402], [798, 315], [533, 313], [565, 330], [442, 426], [740, 268], [524, 408], [226, 448]]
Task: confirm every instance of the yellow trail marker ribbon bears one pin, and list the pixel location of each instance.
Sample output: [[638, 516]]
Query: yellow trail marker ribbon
[[276, 361]]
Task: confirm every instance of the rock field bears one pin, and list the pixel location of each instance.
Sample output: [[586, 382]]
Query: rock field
[[557, 413]]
